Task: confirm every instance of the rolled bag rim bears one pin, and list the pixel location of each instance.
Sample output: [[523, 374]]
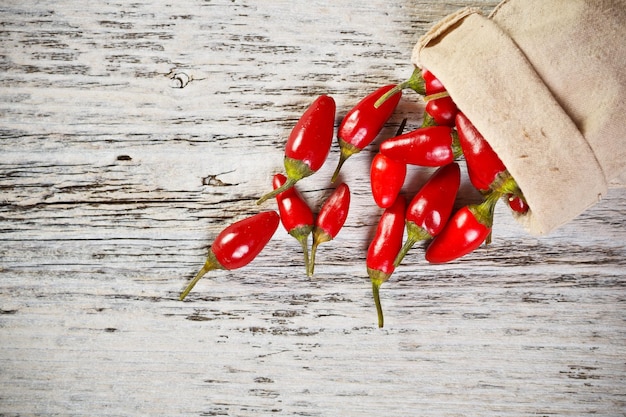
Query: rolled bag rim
[[547, 172]]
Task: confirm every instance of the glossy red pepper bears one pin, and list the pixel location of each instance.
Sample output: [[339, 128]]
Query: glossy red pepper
[[484, 167], [295, 215], [429, 210], [362, 124], [383, 249], [238, 244], [330, 220], [432, 85], [386, 179], [517, 203], [308, 144], [431, 146], [466, 230], [439, 111]]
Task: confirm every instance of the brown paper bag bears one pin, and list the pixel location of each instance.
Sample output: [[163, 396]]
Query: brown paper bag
[[544, 81]]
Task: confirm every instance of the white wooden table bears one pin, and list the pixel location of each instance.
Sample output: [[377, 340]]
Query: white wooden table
[[132, 133]]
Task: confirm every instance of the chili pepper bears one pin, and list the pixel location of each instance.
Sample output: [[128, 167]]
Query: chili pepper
[[422, 81], [363, 123], [466, 230], [330, 220], [484, 167], [308, 144], [517, 203], [295, 215], [386, 178], [429, 210], [238, 244], [431, 146], [432, 85], [383, 249], [439, 111]]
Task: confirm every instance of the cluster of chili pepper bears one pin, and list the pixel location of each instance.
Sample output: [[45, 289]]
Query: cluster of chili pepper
[[306, 150], [444, 136]]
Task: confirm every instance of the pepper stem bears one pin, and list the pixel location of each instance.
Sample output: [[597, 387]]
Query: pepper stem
[[379, 308], [415, 233], [378, 277], [405, 249], [210, 264], [319, 236], [295, 170], [457, 150], [347, 150], [415, 83], [287, 185], [302, 234], [305, 251], [436, 96]]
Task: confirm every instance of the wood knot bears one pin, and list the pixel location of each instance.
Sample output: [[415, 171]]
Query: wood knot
[[179, 79]]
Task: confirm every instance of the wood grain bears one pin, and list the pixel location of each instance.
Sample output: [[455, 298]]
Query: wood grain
[[132, 133]]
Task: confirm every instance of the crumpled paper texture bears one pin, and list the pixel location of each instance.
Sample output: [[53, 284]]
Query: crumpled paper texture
[[544, 81]]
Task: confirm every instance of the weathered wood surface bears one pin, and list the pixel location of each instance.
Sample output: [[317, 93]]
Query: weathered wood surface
[[114, 180]]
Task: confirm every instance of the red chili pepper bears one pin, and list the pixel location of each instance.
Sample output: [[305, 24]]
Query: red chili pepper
[[431, 146], [466, 230], [517, 203], [432, 85], [383, 249], [439, 111], [386, 178], [330, 220], [429, 211], [238, 244], [363, 123], [484, 167], [295, 215], [308, 144]]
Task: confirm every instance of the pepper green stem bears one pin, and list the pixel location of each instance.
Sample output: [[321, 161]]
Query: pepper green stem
[[415, 83], [302, 234], [319, 236], [436, 96], [210, 264], [415, 233], [457, 150], [295, 170], [485, 210], [378, 277], [347, 150], [506, 184], [428, 120]]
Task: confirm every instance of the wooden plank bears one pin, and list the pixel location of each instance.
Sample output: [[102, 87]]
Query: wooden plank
[[131, 134]]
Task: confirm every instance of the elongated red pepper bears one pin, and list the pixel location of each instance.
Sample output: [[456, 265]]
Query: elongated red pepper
[[383, 249], [330, 220], [363, 123], [386, 179], [308, 144], [484, 167], [431, 146], [429, 210], [295, 215], [465, 231], [439, 111], [238, 244]]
